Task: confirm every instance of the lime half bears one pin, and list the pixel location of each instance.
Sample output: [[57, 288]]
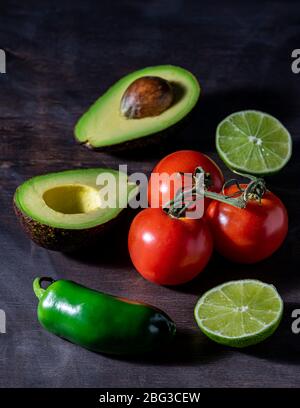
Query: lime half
[[253, 142], [239, 313]]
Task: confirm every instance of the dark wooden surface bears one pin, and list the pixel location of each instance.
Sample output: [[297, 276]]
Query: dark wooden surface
[[60, 58]]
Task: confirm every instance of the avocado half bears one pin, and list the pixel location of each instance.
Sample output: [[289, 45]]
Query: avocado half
[[62, 211], [103, 126]]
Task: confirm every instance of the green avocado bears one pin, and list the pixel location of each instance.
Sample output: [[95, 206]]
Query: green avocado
[[105, 125], [64, 211]]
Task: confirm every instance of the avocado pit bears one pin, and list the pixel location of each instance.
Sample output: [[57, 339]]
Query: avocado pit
[[147, 96]]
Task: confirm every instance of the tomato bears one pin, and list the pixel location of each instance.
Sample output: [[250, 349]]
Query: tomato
[[251, 234], [184, 161], [168, 250]]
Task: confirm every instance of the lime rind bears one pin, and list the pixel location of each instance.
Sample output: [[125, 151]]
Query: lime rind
[[259, 323], [253, 142]]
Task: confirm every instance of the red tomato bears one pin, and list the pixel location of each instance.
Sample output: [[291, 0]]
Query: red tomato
[[184, 161], [167, 250], [251, 234]]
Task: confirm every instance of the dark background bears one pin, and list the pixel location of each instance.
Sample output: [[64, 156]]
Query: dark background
[[61, 56]]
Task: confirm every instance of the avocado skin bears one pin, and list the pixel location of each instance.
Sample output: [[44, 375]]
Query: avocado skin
[[159, 138], [59, 239]]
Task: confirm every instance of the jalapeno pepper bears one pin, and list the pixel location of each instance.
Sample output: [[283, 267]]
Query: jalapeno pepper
[[98, 321]]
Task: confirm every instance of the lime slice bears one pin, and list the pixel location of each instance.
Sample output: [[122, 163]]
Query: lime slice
[[239, 313], [253, 142]]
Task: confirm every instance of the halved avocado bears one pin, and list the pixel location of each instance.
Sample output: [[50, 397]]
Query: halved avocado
[[104, 125], [62, 211]]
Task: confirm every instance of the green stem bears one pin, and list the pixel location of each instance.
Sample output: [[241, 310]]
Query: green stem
[[249, 176], [179, 197], [235, 202], [254, 190], [37, 288], [175, 210]]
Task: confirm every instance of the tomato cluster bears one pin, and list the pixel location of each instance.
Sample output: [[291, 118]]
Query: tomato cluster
[[170, 250]]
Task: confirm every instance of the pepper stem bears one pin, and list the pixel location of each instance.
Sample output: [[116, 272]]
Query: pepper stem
[[37, 288]]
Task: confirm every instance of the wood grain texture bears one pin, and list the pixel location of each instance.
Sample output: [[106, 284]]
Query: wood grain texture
[[60, 58]]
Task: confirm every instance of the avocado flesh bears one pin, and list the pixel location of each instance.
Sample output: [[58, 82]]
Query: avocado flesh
[[103, 125], [62, 211]]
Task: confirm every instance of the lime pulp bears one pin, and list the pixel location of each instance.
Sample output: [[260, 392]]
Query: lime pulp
[[239, 313], [253, 142]]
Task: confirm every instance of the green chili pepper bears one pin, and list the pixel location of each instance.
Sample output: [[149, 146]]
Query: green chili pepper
[[101, 322]]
